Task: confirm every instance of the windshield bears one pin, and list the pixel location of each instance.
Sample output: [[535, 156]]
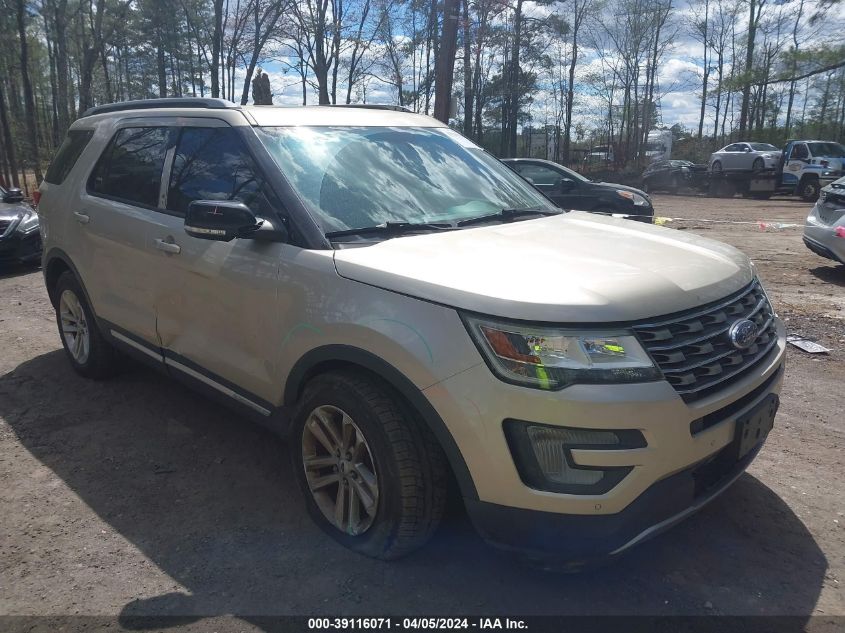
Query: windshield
[[763, 147], [353, 177], [827, 150]]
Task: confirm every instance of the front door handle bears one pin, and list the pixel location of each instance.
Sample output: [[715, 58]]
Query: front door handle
[[82, 218], [168, 247]]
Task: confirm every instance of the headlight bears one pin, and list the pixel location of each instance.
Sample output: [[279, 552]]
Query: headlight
[[828, 173], [636, 198], [29, 222], [551, 358]]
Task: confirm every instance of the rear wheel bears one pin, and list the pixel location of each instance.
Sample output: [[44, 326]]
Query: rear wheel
[[809, 189], [717, 166], [373, 477], [88, 352]]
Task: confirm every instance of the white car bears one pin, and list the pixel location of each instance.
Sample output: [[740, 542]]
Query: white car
[[756, 156]]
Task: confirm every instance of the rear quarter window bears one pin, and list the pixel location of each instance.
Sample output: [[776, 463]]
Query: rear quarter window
[[69, 152]]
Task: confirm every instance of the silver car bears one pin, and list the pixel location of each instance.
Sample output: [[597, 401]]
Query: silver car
[[824, 232], [756, 156]]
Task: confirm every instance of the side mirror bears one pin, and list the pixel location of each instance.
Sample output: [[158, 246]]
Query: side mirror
[[564, 184], [220, 220], [13, 195], [747, 150]]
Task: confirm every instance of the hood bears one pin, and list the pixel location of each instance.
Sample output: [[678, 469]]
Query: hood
[[569, 268], [11, 210], [613, 185]]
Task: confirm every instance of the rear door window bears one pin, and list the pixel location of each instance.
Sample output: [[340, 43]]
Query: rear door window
[[540, 176], [130, 167], [214, 164], [69, 152]]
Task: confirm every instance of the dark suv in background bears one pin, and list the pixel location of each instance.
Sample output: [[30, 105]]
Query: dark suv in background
[[572, 191]]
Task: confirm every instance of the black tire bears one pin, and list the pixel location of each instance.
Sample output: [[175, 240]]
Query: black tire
[[101, 359], [410, 466], [758, 165], [716, 166], [809, 189]]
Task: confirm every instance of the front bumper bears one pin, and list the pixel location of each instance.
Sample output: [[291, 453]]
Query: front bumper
[[681, 468], [550, 537], [20, 247]]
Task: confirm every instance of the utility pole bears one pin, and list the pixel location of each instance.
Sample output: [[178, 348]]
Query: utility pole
[[445, 65]]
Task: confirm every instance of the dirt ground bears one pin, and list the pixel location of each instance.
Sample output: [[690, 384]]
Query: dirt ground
[[135, 496]]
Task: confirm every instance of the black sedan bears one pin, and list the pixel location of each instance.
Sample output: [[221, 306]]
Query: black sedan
[[570, 190], [674, 175], [20, 238]]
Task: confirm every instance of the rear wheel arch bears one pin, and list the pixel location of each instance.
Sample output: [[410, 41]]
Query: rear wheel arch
[[331, 358], [57, 263]]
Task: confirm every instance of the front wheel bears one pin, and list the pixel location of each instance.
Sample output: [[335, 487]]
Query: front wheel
[[758, 165], [809, 190], [373, 477]]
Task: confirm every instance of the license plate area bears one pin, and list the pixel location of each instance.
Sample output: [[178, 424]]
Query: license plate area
[[753, 427]]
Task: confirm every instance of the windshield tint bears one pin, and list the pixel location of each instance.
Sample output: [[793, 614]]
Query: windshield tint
[[763, 147], [829, 150], [353, 177]]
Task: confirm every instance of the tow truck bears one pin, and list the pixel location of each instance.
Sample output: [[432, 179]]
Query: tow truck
[[805, 167]]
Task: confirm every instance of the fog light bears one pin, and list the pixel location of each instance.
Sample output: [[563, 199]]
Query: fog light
[[543, 456], [550, 447]]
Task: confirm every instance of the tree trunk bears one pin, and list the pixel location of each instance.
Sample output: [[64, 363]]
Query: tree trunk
[[29, 99], [514, 80], [445, 65], [215, 48], [749, 66], [468, 97], [8, 142], [706, 69]]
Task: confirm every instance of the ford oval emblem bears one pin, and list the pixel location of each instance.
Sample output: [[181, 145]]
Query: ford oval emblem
[[743, 333]]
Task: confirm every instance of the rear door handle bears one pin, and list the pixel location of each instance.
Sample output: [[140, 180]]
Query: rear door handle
[[82, 218], [168, 247]]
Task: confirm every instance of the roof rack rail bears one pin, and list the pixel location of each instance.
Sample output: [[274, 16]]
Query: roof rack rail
[[147, 104], [370, 106]]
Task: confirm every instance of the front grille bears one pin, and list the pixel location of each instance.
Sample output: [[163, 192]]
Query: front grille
[[693, 348]]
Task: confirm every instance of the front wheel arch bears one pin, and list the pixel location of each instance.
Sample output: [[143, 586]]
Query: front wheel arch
[[338, 357]]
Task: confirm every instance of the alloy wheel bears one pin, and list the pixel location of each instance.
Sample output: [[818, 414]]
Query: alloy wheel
[[340, 470], [74, 327]]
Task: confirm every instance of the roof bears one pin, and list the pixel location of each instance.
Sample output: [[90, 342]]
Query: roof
[[331, 115], [346, 115]]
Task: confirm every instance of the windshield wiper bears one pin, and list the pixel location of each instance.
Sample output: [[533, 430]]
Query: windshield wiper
[[392, 228], [508, 214]]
